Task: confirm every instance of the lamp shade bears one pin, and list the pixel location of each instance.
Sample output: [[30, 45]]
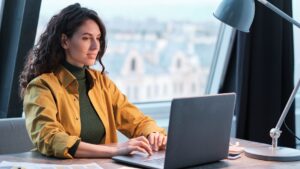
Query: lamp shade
[[236, 13]]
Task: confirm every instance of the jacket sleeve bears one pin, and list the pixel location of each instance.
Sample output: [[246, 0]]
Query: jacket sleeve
[[129, 119], [45, 131]]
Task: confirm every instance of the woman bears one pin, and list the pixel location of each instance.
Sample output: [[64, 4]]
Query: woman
[[72, 110]]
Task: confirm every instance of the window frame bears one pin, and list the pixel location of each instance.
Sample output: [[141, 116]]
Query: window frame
[[2, 2], [220, 59]]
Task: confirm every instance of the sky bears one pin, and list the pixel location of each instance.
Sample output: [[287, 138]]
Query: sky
[[141, 9]]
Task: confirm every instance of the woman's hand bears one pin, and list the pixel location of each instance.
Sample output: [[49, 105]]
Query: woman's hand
[[140, 144], [157, 141]]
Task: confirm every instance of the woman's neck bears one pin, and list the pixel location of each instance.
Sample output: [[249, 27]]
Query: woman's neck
[[78, 72]]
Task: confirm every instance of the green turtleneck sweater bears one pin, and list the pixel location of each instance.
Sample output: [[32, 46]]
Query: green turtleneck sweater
[[92, 128]]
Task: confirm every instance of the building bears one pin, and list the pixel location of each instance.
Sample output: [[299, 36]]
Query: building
[[160, 62]]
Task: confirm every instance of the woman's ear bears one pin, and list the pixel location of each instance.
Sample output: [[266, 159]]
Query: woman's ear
[[64, 41]]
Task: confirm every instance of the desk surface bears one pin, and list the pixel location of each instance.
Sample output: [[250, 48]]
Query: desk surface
[[243, 162]]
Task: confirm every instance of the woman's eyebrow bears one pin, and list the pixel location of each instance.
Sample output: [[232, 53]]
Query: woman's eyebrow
[[90, 34]]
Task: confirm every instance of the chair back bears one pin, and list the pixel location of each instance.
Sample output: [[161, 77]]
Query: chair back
[[13, 136]]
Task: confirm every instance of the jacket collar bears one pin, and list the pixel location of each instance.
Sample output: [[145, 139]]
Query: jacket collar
[[66, 78]]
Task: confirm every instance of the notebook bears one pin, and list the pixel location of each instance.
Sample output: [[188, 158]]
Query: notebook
[[198, 133]]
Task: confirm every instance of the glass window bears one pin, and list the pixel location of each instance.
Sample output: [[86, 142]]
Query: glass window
[[296, 16], [156, 49]]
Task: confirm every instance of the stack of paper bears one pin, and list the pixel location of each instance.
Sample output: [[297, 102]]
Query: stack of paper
[[23, 165]]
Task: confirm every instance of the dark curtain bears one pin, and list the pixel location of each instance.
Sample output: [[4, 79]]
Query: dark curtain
[[17, 33], [261, 72]]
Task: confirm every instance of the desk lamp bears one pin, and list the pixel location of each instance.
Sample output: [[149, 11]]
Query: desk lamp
[[239, 14]]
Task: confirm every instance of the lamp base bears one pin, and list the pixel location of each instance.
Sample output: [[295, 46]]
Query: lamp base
[[266, 152]]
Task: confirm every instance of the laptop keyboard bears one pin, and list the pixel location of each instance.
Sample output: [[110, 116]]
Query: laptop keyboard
[[159, 161]]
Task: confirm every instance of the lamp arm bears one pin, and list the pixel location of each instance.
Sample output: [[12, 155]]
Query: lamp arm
[[276, 132], [287, 106], [279, 12]]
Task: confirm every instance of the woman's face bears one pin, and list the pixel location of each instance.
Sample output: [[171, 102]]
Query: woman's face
[[82, 48]]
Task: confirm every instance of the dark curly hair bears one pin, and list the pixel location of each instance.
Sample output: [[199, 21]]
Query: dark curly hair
[[48, 53]]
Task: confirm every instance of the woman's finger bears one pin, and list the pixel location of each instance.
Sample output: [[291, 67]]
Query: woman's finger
[[145, 146], [137, 148], [156, 136], [151, 139], [160, 140], [144, 139], [164, 142]]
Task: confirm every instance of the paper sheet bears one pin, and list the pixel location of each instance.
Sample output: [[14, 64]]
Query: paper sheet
[[24, 165]]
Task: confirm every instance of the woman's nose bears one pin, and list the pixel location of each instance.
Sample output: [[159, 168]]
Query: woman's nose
[[95, 44]]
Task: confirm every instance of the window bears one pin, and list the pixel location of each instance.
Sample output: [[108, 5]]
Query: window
[[133, 65], [178, 64], [156, 49], [296, 16]]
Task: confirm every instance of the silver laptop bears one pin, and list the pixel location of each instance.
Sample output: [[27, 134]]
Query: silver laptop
[[198, 133]]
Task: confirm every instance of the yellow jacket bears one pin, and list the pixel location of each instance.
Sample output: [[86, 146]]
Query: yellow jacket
[[51, 105]]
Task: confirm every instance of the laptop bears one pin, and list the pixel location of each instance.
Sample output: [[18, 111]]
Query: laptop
[[198, 133]]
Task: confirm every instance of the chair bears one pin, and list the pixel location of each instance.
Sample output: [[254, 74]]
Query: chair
[[13, 136]]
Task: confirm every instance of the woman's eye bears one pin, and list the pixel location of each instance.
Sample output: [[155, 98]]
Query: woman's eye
[[85, 38]]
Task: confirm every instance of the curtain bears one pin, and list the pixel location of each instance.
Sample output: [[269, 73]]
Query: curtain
[[261, 72]]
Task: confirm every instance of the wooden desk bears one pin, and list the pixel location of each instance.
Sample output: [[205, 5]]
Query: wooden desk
[[243, 162]]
